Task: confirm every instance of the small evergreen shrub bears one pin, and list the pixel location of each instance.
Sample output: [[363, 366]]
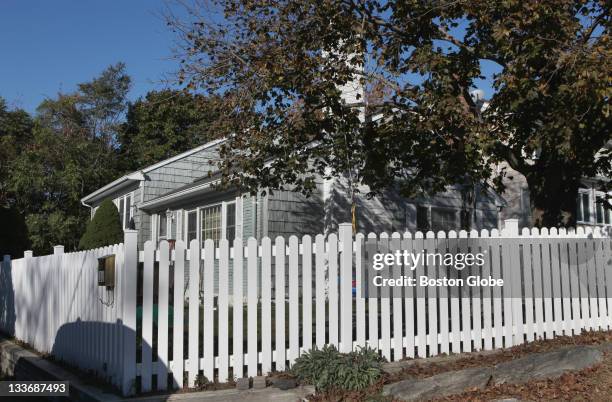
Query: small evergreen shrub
[[104, 229], [328, 369]]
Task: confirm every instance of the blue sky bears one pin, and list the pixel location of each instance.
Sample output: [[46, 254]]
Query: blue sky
[[52, 45], [47, 46]]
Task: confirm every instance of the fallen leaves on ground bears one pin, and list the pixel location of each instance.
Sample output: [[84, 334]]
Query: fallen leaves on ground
[[422, 369]]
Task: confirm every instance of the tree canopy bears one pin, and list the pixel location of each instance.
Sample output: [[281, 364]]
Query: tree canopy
[[278, 67], [81, 140], [71, 152], [162, 124]]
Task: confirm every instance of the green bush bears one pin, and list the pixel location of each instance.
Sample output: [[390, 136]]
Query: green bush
[[328, 369], [104, 229]]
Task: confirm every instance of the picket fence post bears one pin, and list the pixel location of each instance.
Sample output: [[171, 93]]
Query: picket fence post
[[129, 277], [28, 254], [511, 227], [346, 281]]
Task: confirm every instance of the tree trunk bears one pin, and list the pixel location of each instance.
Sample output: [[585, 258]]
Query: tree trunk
[[552, 197]]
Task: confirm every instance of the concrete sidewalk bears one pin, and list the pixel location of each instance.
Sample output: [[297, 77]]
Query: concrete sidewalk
[[23, 364], [233, 395]]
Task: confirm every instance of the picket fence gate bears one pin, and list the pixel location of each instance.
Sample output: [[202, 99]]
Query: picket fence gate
[[247, 309]]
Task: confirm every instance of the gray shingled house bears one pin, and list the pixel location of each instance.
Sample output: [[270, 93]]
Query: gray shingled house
[[176, 199]]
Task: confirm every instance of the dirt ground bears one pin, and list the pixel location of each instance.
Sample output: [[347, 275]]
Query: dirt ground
[[592, 384]]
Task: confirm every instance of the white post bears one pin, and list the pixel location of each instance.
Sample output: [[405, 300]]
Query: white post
[[511, 227], [128, 311], [28, 254], [57, 250], [346, 281]]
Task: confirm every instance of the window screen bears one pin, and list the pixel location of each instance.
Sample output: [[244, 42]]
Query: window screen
[[422, 218], [211, 224], [192, 226], [443, 219], [603, 214], [585, 203], [122, 211], [230, 223], [128, 212], [163, 226]]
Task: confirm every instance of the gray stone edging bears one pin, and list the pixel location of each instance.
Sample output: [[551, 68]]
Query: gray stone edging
[[533, 366]]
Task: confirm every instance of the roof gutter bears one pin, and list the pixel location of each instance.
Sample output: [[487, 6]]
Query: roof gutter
[[177, 196], [135, 176]]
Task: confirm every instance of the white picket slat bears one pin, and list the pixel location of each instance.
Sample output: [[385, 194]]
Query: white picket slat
[[178, 314], [385, 302], [398, 336], [345, 283], [252, 294], [332, 284], [371, 249], [223, 309], [498, 334], [307, 293], [583, 285], [266, 306], [238, 309], [279, 303], [319, 291], [441, 245], [162, 316], [466, 308], [294, 312], [193, 367], [547, 285], [360, 267], [147, 317]]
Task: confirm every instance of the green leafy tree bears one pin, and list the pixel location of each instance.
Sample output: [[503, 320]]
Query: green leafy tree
[[164, 124], [15, 133], [72, 152], [104, 229], [278, 67]]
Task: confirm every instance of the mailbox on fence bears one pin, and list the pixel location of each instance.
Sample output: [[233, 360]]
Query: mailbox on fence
[[106, 271]]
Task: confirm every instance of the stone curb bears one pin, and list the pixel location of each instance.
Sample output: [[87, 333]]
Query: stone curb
[[532, 366]]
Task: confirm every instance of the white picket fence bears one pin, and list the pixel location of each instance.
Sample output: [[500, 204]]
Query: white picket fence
[[298, 294]]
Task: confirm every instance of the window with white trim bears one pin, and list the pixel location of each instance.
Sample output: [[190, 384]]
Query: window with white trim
[[436, 218], [216, 221], [162, 233], [124, 206], [602, 213], [583, 205], [590, 208]]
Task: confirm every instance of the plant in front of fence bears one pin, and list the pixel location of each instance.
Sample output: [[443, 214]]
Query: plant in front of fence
[[329, 370]]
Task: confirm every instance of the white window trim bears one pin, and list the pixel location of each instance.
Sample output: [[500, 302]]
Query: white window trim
[[592, 194], [155, 226], [605, 211], [117, 202], [223, 204], [429, 207]]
